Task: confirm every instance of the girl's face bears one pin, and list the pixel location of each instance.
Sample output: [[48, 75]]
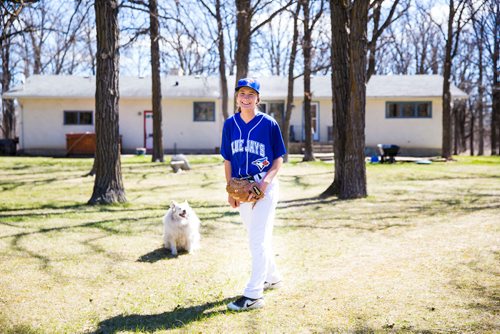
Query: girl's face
[[247, 98]]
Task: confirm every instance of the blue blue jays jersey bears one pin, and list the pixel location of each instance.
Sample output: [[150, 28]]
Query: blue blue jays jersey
[[251, 147]]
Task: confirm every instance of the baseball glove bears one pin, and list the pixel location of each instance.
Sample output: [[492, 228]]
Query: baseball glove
[[240, 190]]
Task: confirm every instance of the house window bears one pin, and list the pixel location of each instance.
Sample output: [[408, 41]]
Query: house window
[[204, 111], [275, 109], [408, 110], [314, 121], [78, 118]]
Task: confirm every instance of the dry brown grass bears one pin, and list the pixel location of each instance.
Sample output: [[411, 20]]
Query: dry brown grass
[[420, 254]]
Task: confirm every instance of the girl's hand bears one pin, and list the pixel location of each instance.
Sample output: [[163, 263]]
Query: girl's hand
[[234, 203], [263, 186]]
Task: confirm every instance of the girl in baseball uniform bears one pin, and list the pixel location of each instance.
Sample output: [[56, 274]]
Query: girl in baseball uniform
[[253, 148]]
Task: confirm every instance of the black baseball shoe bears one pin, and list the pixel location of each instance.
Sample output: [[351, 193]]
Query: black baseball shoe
[[244, 304], [272, 286]]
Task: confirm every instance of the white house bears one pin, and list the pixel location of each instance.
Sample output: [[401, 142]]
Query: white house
[[401, 110]]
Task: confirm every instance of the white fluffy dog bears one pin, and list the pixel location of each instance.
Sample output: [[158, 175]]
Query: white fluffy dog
[[181, 228]]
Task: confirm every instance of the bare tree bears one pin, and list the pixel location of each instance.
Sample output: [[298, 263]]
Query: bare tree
[[378, 28], [272, 44], [410, 45], [416, 44], [395, 53], [493, 26], [428, 44], [88, 40], [37, 37], [306, 50], [456, 22], [244, 15], [349, 48], [478, 24], [156, 83], [309, 24], [459, 120], [64, 58], [472, 122], [243, 27], [10, 12], [222, 59], [217, 15], [463, 114], [186, 39], [54, 46], [291, 80], [108, 185]]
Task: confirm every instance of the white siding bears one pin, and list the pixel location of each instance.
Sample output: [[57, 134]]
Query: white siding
[[42, 124], [43, 129], [132, 122], [404, 132], [180, 128]]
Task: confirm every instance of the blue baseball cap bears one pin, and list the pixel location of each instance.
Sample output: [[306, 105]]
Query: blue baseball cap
[[248, 82]]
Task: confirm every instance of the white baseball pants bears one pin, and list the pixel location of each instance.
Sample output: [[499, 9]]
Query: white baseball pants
[[259, 222]]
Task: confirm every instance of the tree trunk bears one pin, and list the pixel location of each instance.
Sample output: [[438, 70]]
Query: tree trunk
[[348, 51], [37, 50], [459, 118], [108, 186], [243, 27], [377, 31], [289, 96], [244, 31], [471, 125], [446, 139], [354, 164], [222, 61], [156, 83], [10, 13], [340, 89], [306, 49], [372, 48], [480, 97], [495, 109], [8, 110]]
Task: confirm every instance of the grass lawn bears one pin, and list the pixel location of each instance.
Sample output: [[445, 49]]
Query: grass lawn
[[420, 254]]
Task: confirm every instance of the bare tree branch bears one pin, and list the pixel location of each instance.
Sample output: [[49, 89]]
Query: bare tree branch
[[258, 26]]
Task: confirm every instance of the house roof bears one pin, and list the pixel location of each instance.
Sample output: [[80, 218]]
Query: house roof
[[63, 86], [273, 87], [409, 85]]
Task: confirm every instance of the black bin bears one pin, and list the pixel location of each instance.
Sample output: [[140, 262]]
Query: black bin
[[8, 146], [387, 152]]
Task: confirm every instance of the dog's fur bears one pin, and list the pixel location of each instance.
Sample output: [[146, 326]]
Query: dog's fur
[[181, 228]]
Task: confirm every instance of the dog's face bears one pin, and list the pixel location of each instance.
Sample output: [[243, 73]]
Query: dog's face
[[180, 211]]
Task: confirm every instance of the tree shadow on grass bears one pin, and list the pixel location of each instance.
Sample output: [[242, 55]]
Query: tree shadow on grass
[[98, 224], [55, 209], [307, 201], [177, 318], [12, 185]]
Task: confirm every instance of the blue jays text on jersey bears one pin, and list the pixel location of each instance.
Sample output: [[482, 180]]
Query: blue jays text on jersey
[[251, 147]]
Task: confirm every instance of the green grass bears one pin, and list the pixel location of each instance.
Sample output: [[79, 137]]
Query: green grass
[[420, 254]]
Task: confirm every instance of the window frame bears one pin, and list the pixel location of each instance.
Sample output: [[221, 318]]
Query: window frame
[[402, 105], [267, 105], [78, 117], [316, 123], [195, 110]]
